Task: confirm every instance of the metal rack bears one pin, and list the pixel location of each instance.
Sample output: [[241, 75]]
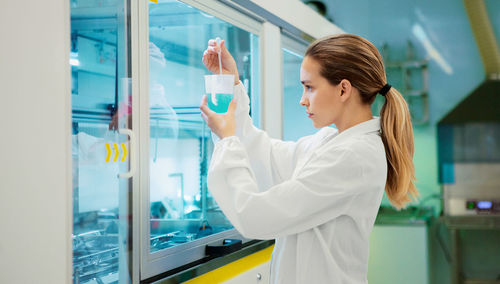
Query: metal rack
[[410, 70]]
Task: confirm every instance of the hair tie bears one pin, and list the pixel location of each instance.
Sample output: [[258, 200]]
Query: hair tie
[[385, 89]]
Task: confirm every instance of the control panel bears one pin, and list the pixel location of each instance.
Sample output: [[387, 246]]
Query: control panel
[[483, 206]]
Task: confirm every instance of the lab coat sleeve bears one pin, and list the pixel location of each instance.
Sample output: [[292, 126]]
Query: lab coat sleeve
[[272, 160], [323, 190]]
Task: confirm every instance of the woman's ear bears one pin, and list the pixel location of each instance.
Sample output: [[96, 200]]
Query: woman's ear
[[345, 90]]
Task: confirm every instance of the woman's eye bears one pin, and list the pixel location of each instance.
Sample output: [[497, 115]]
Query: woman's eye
[[308, 87]]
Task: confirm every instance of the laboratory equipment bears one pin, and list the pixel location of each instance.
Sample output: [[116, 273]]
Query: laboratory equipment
[[475, 191], [469, 168], [469, 159]]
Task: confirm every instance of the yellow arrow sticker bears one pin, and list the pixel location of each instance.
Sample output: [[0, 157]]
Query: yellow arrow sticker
[[124, 152], [154, 1], [108, 152], [117, 152]]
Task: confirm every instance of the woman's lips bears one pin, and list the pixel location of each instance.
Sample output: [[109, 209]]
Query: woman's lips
[[309, 115]]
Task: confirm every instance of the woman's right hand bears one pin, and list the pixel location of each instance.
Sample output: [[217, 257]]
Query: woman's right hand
[[211, 60]]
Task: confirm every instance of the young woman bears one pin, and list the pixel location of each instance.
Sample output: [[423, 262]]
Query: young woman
[[319, 196]]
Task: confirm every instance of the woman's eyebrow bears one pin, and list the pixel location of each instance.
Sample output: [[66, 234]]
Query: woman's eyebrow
[[305, 82]]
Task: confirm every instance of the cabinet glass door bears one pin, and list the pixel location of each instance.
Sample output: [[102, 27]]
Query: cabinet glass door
[[296, 124], [101, 117], [182, 210]]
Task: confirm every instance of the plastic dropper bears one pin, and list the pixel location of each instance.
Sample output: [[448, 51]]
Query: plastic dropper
[[217, 39], [214, 96]]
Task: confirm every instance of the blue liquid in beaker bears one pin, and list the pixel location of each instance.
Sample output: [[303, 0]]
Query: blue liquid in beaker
[[223, 101]]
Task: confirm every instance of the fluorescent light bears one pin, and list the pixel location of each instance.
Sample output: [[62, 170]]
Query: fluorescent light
[[431, 50]]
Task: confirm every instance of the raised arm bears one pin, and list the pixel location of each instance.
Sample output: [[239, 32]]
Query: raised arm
[[272, 160]]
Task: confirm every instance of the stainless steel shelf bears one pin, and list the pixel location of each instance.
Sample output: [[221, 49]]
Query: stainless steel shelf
[[412, 216], [476, 222], [458, 223]]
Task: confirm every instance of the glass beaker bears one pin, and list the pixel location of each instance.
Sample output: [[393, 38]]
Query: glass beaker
[[219, 90]]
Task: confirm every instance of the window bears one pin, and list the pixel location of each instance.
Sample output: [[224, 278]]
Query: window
[[296, 124]]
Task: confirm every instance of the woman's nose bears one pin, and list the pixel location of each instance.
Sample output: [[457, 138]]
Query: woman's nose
[[304, 101]]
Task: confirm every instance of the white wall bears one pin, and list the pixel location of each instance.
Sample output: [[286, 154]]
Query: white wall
[[399, 254], [35, 165]]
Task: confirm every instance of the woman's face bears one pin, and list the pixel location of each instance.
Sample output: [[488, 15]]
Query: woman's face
[[321, 99]]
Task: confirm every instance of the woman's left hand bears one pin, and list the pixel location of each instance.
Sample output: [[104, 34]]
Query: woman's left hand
[[223, 125]]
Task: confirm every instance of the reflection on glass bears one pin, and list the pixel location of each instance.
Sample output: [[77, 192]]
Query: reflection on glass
[[98, 66], [180, 145], [296, 124]]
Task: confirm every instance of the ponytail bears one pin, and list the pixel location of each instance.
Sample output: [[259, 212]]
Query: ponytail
[[397, 135], [347, 56]]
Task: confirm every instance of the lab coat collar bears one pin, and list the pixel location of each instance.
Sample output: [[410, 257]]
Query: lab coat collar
[[369, 126], [334, 139]]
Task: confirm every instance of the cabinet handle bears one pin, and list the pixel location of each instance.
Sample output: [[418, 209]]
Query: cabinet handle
[[228, 246], [131, 171]]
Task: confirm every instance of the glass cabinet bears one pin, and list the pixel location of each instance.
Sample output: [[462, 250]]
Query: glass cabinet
[[183, 217], [178, 216]]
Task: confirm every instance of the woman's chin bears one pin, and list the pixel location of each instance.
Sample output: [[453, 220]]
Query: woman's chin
[[318, 125]]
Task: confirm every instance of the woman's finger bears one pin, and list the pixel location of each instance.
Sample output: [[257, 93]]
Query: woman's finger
[[205, 117], [212, 50], [210, 63], [204, 107], [223, 46], [208, 60], [203, 100], [211, 57], [232, 107]]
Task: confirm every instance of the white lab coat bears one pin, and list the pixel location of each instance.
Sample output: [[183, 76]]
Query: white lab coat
[[318, 197]]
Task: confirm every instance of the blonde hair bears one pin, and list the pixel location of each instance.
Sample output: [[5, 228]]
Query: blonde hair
[[351, 57]]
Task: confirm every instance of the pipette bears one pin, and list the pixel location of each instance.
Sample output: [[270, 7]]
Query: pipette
[[217, 39], [214, 96]]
